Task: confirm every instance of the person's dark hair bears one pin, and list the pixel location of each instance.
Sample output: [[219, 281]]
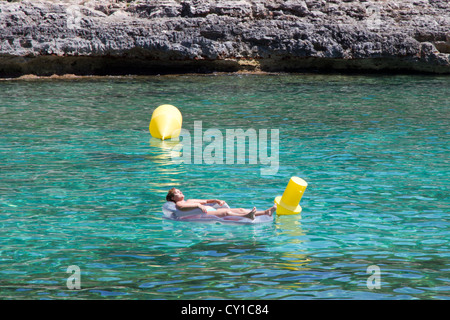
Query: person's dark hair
[[170, 195]]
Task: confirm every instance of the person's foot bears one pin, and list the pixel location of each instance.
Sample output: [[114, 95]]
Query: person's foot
[[251, 214], [270, 211]]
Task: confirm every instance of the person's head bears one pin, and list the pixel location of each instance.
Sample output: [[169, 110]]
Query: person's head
[[174, 195]]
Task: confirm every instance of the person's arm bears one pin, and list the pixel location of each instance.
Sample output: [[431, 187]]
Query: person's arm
[[220, 202], [189, 205], [201, 201]]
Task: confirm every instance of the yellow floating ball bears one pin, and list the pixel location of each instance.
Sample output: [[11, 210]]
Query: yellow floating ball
[[166, 122]]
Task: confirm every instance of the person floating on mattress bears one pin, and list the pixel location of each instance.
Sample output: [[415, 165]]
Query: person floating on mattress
[[176, 196]]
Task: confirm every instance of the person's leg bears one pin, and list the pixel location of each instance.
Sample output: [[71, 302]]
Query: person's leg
[[243, 212], [239, 212], [269, 211]]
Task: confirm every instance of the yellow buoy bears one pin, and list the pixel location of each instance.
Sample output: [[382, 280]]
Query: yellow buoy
[[166, 122], [288, 203]]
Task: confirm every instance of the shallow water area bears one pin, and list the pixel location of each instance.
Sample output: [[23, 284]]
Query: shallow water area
[[82, 183]]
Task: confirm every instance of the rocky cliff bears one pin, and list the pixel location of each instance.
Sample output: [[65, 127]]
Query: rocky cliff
[[168, 36]]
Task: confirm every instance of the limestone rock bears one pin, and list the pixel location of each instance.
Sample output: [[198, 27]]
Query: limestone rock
[[159, 36]]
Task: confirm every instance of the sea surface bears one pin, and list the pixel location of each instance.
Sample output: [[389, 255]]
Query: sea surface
[[82, 184]]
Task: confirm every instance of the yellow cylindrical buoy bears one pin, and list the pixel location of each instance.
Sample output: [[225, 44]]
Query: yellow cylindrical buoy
[[288, 203], [166, 122]]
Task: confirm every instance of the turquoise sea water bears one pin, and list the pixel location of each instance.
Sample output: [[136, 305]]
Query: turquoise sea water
[[82, 184]]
